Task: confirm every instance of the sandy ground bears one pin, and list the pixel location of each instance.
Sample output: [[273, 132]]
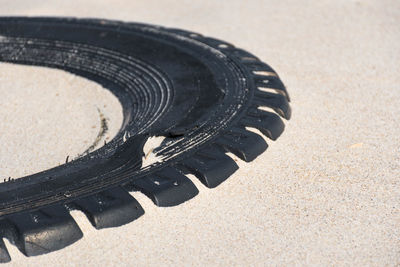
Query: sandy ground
[[57, 114], [326, 193]]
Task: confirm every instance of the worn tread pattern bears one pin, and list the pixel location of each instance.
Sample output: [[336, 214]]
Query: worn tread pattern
[[201, 93]]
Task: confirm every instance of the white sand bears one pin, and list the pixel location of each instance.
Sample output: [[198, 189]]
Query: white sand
[[326, 193], [48, 115]]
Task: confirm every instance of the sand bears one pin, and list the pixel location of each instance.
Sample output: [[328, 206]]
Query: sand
[[49, 115], [326, 193]]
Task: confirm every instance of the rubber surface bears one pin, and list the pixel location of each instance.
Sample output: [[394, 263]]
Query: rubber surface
[[198, 92]]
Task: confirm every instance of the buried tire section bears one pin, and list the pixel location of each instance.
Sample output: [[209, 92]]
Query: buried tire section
[[199, 93]]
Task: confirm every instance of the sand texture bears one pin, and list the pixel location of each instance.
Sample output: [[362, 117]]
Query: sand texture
[[48, 115], [326, 193]]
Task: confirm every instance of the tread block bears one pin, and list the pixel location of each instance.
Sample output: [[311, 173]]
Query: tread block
[[273, 83], [110, 208], [259, 66], [45, 230], [279, 103], [4, 255], [240, 53], [270, 124], [168, 187], [244, 144], [215, 42], [210, 165]]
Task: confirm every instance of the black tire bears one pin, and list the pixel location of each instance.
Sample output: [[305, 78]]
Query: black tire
[[199, 92]]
